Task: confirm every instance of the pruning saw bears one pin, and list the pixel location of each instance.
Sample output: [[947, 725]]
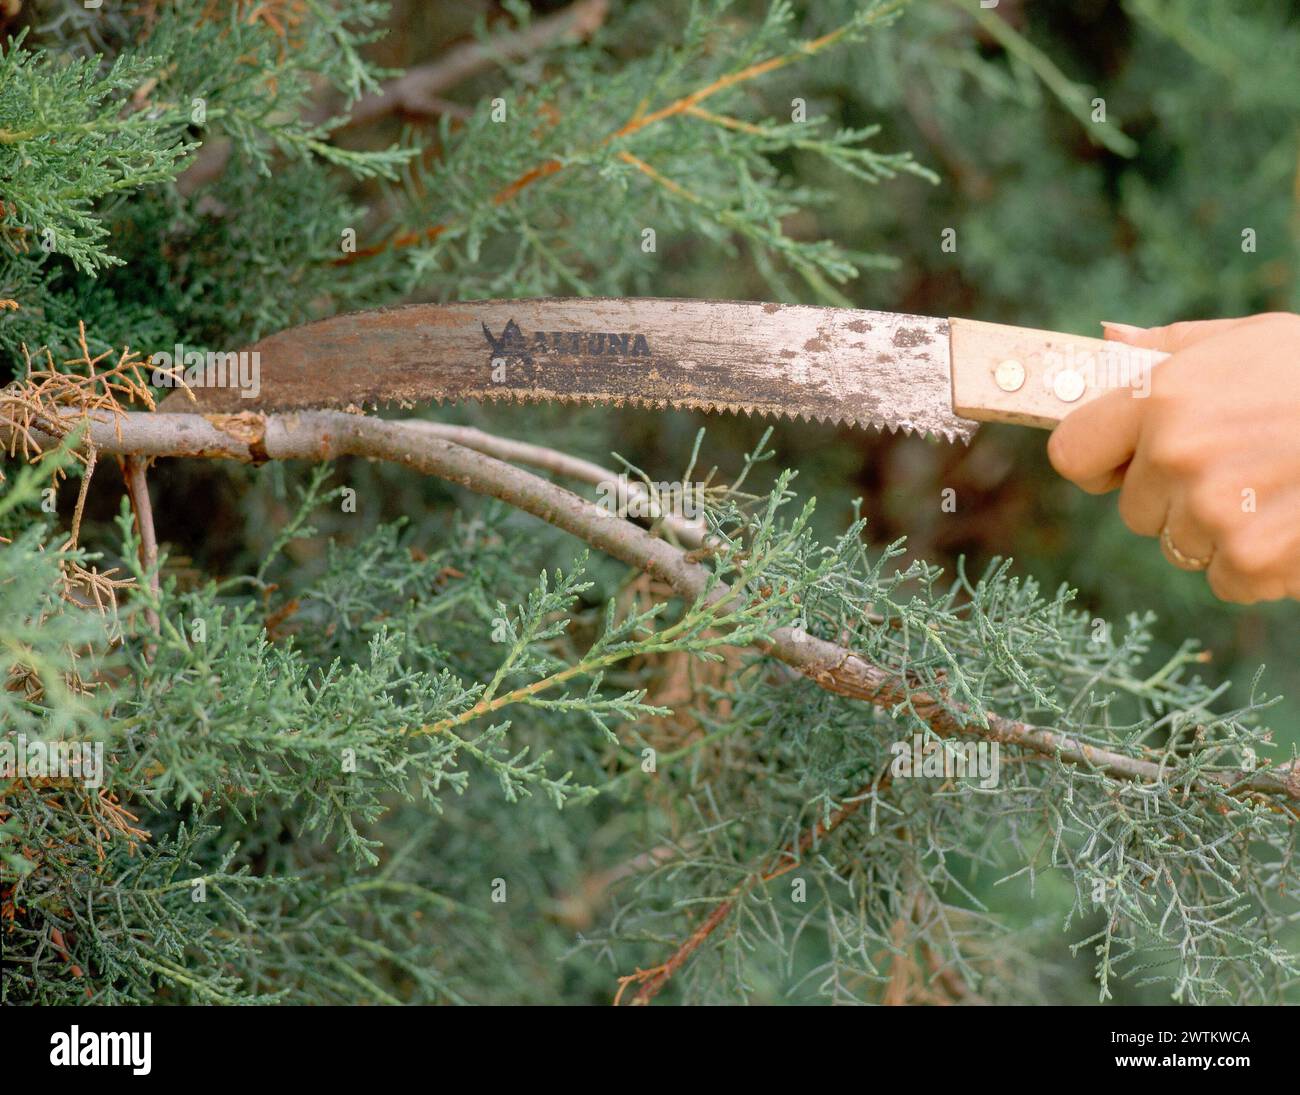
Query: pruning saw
[[887, 370]]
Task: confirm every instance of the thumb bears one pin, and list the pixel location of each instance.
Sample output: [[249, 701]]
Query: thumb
[[1169, 339]]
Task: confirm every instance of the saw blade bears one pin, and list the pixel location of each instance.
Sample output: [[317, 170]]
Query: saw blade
[[838, 365]]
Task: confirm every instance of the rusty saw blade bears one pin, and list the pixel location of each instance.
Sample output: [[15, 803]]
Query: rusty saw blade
[[838, 365]]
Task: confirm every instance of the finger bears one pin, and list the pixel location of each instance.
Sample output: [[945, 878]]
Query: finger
[[1171, 338], [1260, 560], [1103, 484], [1097, 439], [1229, 584], [1185, 543], [1144, 499]]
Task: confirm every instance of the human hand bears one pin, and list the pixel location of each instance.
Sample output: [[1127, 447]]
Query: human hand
[[1209, 461]]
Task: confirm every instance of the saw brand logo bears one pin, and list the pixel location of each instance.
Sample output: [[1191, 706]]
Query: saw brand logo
[[113, 1048], [513, 345]]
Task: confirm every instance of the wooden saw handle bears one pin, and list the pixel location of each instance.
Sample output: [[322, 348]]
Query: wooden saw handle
[[1036, 378]]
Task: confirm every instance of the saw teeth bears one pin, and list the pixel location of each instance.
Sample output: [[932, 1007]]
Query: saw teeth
[[525, 398]]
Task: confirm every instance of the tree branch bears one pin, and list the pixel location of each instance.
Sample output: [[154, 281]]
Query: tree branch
[[652, 980], [687, 532], [137, 488], [417, 91], [328, 435]]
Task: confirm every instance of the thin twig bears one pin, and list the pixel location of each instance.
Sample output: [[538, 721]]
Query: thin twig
[[690, 533], [137, 488], [653, 979]]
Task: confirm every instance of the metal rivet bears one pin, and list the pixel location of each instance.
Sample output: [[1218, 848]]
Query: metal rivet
[[1068, 385], [1010, 376]]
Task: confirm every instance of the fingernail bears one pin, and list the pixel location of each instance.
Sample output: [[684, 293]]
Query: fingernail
[[1121, 330]]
